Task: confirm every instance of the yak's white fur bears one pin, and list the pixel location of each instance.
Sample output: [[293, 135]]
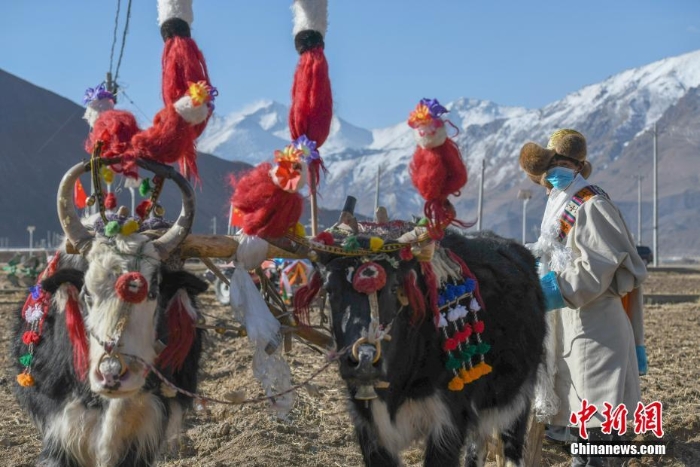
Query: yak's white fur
[[414, 420], [106, 265], [175, 9], [99, 438], [310, 14]]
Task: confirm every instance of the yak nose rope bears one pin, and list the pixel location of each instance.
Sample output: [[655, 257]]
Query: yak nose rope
[[330, 357]]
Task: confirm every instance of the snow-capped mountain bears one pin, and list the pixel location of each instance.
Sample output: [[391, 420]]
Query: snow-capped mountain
[[612, 114]]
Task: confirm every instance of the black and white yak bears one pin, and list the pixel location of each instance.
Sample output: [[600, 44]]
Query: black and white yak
[[417, 385], [98, 321]]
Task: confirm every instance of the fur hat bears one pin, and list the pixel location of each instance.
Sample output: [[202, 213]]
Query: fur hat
[[536, 160]]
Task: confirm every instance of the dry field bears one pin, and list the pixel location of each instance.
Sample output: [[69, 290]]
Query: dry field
[[318, 431]]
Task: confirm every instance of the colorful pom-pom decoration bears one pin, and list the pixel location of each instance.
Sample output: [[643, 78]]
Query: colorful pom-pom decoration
[[145, 187], [25, 380], [112, 228], [456, 384], [130, 227], [375, 243]]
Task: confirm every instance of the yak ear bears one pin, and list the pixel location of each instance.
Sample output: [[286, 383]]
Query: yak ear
[[69, 275], [173, 280]]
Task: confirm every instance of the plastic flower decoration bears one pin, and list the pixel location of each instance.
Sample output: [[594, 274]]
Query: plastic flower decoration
[[201, 92], [307, 148], [427, 113], [288, 173], [96, 94]]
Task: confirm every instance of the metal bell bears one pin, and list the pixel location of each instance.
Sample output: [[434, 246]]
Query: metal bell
[[159, 210], [90, 200], [365, 393]]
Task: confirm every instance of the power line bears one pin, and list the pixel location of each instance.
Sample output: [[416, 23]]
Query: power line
[[123, 93], [121, 51], [114, 36]]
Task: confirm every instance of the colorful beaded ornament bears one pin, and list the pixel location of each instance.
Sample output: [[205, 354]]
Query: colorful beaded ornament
[[34, 312], [461, 329]]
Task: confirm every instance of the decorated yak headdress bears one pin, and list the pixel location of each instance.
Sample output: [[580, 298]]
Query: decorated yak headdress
[[187, 97]]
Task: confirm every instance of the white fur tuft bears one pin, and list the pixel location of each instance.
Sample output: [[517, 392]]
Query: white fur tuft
[[429, 140], [310, 14], [193, 114], [95, 108], [175, 9]]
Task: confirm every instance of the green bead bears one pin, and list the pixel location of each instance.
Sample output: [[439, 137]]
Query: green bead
[[112, 228], [483, 348], [26, 359], [469, 352], [145, 187], [423, 221], [452, 363], [351, 243]]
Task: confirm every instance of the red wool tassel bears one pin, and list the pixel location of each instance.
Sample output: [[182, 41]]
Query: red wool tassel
[[77, 334], [268, 211], [312, 101], [115, 128], [437, 173], [181, 334], [304, 296], [143, 207], [311, 112], [431, 284], [416, 299], [183, 63], [170, 139]]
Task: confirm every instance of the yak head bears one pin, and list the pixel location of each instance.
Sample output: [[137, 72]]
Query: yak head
[[374, 300], [119, 298]]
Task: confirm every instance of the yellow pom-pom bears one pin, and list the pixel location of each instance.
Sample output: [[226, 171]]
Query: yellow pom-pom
[[299, 230], [25, 380], [130, 227], [467, 375], [484, 368], [456, 384], [107, 174], [375, 243]]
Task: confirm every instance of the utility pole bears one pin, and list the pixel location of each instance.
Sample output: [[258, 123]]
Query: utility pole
[[213, 225], [525, 195], [480, 207], [639, 178], [30, 229], [655, 221], [376, 189]]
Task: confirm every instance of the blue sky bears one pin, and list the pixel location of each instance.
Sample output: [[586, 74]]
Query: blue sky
[[384, 55]]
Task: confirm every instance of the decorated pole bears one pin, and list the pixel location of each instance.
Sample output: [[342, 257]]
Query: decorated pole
[[312, 103]]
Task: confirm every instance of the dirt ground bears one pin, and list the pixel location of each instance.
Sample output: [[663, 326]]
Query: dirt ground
[[318, 431]]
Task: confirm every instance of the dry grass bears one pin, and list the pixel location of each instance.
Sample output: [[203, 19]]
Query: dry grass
[[318, 431]]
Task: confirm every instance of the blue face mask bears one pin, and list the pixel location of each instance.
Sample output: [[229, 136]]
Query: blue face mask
[[560, 177]]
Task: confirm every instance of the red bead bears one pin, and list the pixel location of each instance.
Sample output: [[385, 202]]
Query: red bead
[[449, 345], [478, 327]]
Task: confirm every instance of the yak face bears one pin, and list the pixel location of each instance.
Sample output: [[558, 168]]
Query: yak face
[[350, 284], [120, 296]]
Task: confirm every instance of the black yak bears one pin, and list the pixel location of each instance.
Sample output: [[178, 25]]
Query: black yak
[[445, 345]]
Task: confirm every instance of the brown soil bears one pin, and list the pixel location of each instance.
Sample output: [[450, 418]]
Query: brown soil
[[318, 431]]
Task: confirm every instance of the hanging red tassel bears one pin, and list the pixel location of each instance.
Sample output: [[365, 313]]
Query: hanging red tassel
[[415, 296], [110, 201], [437, 173], [76, 333], [181, 333], [312, 102], [431, 285], [437, 169], [304, 296], [268, 211]]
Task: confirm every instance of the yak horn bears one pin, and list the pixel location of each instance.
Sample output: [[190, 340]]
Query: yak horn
[[76, 232], [177, 233]]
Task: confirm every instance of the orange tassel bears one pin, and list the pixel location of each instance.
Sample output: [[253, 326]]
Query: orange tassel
[[456, 384], [25, 380]]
